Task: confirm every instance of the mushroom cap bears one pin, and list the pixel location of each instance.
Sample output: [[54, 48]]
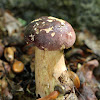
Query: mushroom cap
[[50, 33], [18, 67]]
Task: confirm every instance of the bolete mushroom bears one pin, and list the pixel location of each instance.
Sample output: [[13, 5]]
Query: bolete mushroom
[[50, 36], [18, 66]]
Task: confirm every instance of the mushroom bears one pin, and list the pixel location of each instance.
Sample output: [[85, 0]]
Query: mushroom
[[50, 36], [18, 67], [9, 53]]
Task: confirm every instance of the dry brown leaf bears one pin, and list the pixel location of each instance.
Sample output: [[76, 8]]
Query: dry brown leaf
[[11, 24], [90, 40], [87, 93]]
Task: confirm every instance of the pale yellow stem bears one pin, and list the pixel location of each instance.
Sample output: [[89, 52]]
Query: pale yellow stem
[[49, 65]]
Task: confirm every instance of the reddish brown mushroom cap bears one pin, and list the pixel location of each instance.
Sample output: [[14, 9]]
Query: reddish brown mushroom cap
[[50, 33]]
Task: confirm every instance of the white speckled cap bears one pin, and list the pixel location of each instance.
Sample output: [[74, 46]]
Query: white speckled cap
[[50, 33]]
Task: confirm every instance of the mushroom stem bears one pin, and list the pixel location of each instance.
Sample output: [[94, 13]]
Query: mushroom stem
[[49, 65]]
